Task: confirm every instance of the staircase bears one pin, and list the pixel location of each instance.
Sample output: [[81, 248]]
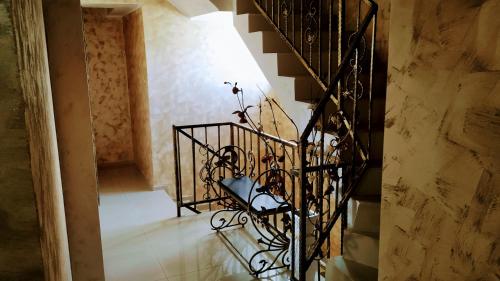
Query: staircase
[[288, 74], [323, 52]]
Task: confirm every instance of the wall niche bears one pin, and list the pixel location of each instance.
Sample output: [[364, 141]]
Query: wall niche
[[117, 77]]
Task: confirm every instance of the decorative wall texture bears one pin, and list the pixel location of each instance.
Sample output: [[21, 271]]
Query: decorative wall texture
[[108, 86], [441, 182], [138, 92], [20, 249], [39, 114], [187, 62]]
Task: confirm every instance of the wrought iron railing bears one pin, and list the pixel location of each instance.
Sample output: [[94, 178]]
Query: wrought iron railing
[[207, 156], [335, 41], [200, 142]]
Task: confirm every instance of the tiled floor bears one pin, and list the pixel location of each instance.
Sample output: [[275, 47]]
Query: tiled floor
[[144, 241]]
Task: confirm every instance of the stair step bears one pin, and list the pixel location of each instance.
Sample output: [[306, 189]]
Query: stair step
[[377, 112], [257, 22], [340, 269], [379, 87], [306, 89], [322, 37], [371, 182], [377, 143], [377, 118], [378, 90], [272, 43], [246, 7], [377, 139], [367, 198], [361, 248], [289, 65], [223, 5], [367, 215]]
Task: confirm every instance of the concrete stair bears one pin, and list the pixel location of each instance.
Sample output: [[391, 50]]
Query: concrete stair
[[341, 269], [282, 69]]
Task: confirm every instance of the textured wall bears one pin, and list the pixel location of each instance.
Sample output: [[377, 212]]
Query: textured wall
[[187, 62], [65, 44], [108, 86], [20, 253], [39, 113], [138, 92], [441, 182]]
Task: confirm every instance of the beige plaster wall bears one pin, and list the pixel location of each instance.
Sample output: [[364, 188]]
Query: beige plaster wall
[[108, 86], [187, 62], [138, 92], [64, 29], [441, 182], [39, 115], [20, 248]]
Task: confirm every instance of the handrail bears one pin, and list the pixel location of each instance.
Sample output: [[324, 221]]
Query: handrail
[[248, 129], [266, 135]]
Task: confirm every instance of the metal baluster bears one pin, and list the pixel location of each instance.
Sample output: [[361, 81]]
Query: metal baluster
[[330, 43], [303, 256], [232, 144], [266, 154], [275, 150], [272, 10], [218, 149], [194, 168], [321, 174], [370, 90], [319, 37], [340, 47], [245, 149], [258, 162], [178, 181], [292, 9], [208, 191], [238, 141], [302, 28], [279, 13], [251, 145]]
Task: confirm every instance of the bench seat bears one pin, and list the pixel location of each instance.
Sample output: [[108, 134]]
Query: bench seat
[[239, 189]]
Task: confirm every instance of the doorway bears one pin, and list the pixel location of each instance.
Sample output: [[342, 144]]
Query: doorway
[[117, 79]]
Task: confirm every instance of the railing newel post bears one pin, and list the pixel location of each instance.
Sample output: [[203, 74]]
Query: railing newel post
[[177, 170]]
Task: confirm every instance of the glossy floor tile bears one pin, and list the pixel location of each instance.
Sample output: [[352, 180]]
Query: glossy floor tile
[[143, 240]]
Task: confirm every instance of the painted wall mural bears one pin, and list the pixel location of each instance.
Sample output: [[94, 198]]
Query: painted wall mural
[[441, 182], [108, 86]]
